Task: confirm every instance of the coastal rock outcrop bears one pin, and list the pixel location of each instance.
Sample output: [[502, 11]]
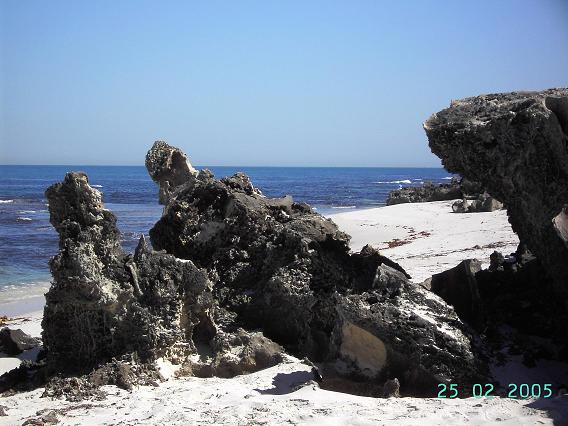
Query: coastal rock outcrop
[[286, 270], [237, 278], [516, 145], [104, 304], [457, 188], [482, 203]]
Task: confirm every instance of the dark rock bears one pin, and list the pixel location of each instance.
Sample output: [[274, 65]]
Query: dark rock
[[515, 145], [458, 287], [288, 271], [429, 192], [482, 203], [104, 303], [235, 273], [496, 259], [14, 342], [391, 388]]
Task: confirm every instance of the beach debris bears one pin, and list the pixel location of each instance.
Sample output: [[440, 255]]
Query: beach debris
[[514, 144], [14, 342]]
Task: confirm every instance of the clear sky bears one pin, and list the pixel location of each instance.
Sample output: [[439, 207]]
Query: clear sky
[[322, 83]]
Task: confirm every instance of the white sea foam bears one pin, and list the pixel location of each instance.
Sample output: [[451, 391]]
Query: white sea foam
[[27, 211], [344, 207], [24, 219], [21, 291], [448, 178], [6, 201], [97, 186], [396, 181]]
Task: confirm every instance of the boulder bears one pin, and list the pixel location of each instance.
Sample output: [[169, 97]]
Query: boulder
[[482, 203], [14, 342], [515, 145], [428, 192], [458, 287]]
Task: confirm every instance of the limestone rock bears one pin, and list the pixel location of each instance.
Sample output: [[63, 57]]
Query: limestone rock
[[237, 279], [287, 271], [458, 287], [482, 203], [515, 145], [429, 192], [168, 167], [14, 342]]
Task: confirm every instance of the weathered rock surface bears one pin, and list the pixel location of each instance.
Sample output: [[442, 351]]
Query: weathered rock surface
[[14, 342], [237, 278], [511, 303], [482, 203], [105, 304], [516, 145], [286, 270], [168, 167], [429, 192], [458, 287]]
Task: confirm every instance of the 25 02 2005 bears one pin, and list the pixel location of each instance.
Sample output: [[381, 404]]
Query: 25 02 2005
[[514, 390]]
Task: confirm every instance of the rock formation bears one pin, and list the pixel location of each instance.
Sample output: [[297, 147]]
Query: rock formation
[[482, 203], [458, 287], [104, 303], [237, 278], [516, 145], [429, 192]]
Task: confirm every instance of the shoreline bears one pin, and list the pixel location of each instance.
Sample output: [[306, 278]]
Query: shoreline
[[428, 238], [423, 235], [431, 238]]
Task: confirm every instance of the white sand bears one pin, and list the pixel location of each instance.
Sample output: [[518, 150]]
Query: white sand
[[437, 239], [271, 396]]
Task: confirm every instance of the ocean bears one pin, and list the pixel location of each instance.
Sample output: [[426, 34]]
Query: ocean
[[27, 239]]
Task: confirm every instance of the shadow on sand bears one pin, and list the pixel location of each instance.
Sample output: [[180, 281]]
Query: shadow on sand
[[284, 383]]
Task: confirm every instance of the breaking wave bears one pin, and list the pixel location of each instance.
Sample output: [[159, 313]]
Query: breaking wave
[[396, 181]]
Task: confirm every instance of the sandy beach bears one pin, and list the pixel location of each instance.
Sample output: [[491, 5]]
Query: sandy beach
[[428, 238], [424, 238]]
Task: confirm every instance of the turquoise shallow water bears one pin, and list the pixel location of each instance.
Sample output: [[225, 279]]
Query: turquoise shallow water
[[27, 240]]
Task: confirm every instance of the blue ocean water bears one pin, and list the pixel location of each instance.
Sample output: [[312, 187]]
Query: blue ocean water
[[27, 240]]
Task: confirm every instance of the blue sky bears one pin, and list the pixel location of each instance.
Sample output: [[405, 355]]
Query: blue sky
[[322, 83]]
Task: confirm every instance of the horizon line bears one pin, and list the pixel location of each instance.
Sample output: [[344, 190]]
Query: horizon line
[[233, 166]]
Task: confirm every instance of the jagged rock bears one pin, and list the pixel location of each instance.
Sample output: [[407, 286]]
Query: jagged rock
[[496, 259], [483, 203], [391, 388], [515, 145], [429, 192], [286, 270], [237, 278], [104, 304], [14, 342], [168, 167], [458, 287]]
